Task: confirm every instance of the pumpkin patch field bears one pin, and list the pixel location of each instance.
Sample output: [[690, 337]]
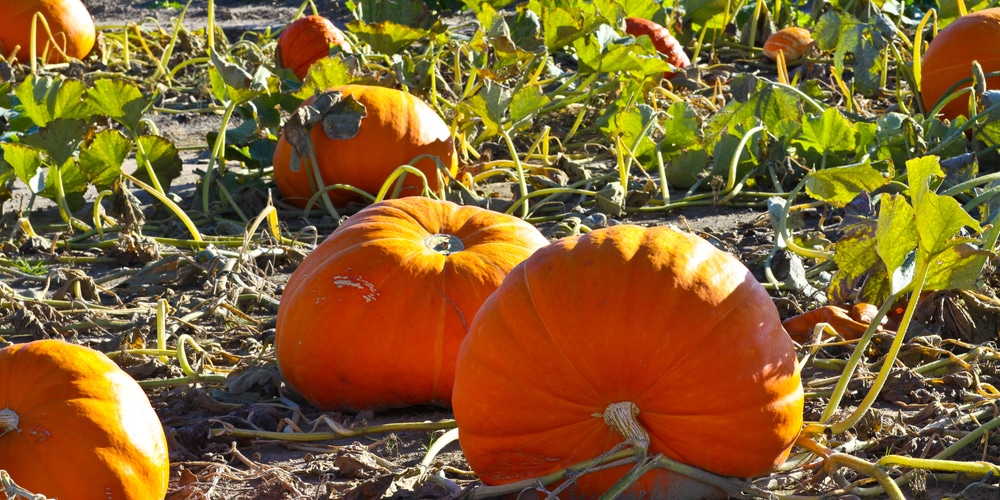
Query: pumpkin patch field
[[442, 249]]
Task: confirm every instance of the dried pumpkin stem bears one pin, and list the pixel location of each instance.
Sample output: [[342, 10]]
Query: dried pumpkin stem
[[8, 421], [621, 417], [444, 244]]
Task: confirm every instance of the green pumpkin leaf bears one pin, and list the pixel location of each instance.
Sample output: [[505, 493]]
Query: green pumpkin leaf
[[840, 185], [47, 99], [829, 132], [60, 138], [896, 238], [101, 160], [525, 103], [491, 105], [120, 100], [387, 37], [26, 163], [564, 21], [164, 158], [605, 51]]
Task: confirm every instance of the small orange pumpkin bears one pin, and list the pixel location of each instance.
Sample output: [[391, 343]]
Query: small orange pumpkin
[[664, 42], [307, 40], [973, 37], [70, 22], [373, 317], [795, 43], [651, 320], [398, 128], [75, 426]]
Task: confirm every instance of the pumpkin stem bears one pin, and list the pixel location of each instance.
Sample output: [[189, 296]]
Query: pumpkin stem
[[8, 421], [444, 244], [621, 417]]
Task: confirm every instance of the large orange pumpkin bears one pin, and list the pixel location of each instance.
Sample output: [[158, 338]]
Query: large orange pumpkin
[[973, 37], [307, 40], [793, 42], [69, 20], [398, 128], [373, 317], [653, 320], [75, 426]]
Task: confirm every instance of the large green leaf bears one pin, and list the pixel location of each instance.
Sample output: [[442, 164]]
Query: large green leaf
[[46, 99], [101, 160], [829, 132], [120, 100], [26, 163], [564, 21], [840, 185], [164, 158], [59, 139]]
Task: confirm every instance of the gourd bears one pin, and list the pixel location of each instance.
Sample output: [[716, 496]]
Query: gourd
[[73, 425], [373, 317], [398, 128], [69, 21], [627, 320], [307, 40], [948, 60], [795, 43], [663, 41]]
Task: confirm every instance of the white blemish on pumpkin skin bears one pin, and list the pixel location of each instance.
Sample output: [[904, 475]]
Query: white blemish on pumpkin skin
[[360, 284]]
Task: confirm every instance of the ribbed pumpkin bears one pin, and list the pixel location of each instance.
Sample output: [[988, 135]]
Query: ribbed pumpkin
[[663, 41], [398, 128], [373, 317], [973, 37], [792, 41], [75, 426], [307, 40], [653, 320], [69, 21]]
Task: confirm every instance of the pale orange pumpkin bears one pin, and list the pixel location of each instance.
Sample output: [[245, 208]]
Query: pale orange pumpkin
[[795, 43], [70, 22], [73, 425], [398, 128], [374, 316], [973, 37], [651, 319], [307, 40]]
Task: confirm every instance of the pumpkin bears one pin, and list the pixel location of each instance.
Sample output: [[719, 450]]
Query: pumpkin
[[650, 320], [398, 128], [795, 43], [973, 37], [73, 425], [374, 316], [70, 22], [663, 41], [307, 40]]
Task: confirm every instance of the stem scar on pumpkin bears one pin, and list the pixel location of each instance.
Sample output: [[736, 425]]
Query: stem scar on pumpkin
[[444, 244], [8, 421], [620, 416]]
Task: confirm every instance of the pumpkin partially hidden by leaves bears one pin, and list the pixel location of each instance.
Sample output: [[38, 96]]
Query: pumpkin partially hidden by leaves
[[395, 128], [307, 40], [663, 41], [973, 37], [69, 21], [652, 323], [794, 43], [73, 425], [374, 316]]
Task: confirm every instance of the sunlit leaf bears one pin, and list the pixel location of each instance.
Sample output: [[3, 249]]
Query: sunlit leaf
[[827, 133], [387, 37], [958, 266], [754, 100], [681, 128], [605, 51], [25, 162], [839, 185], [491, 105], [46, 99], [896, 236], [401, 12], [120, 100], [526, 102], [563, 21], [101, 160]]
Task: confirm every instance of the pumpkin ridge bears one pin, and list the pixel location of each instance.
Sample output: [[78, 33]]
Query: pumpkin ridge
[[567, 360]]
